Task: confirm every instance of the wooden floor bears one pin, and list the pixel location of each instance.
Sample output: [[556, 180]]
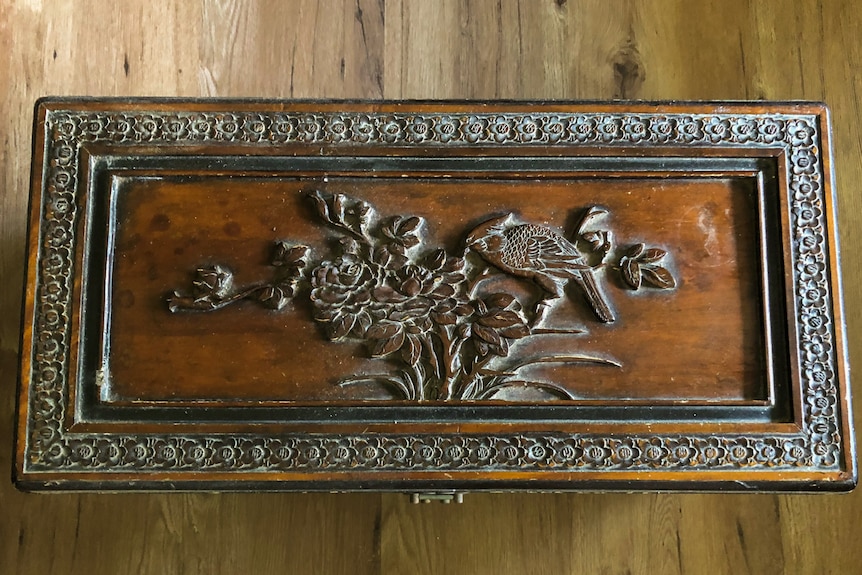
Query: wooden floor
[[544, 49]]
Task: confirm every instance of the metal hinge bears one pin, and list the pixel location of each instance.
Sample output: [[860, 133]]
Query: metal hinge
[[441, 496]]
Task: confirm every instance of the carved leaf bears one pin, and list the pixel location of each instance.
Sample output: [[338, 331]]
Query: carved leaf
[[320, 205], [382, 330], [658, 277], [341, 326], [635, 251], [338, 208], [409, 225], [652, 255], [436, 260], [411, 351], [501, 350], [386, 346], [500, 300], [486, 333], [273, 298], [631, 272], [410, 241], [444, 318], [516, 331], [480, 307], [363, 321], [500, 319], [215, 281]]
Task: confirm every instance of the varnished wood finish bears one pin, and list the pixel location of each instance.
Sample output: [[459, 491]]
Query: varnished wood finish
[[715, 50]]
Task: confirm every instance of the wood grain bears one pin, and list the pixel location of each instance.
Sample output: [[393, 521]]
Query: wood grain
[[721, 49]]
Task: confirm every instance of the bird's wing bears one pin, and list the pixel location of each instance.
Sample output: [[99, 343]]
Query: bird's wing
[[548, 252]]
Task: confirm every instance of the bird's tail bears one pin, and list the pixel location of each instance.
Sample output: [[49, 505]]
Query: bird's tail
[[595, 297]]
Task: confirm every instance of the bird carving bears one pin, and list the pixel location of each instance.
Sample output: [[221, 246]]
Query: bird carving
[[541, 255]]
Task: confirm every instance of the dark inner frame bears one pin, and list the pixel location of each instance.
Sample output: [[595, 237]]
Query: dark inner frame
[[97, 258]]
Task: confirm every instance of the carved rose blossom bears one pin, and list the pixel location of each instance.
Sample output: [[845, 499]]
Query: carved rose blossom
[[340, 291]]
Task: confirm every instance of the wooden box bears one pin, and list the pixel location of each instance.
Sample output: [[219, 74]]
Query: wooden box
[[435, 297]]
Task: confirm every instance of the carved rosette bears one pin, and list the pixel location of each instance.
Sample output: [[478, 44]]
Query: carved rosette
[[51, 448]]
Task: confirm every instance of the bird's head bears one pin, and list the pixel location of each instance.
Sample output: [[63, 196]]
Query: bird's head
[[488, 236]]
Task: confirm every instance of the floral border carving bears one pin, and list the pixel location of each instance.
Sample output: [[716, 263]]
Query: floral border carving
[[49, 448]]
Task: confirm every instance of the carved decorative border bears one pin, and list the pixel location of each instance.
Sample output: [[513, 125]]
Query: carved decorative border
[[49, 448]]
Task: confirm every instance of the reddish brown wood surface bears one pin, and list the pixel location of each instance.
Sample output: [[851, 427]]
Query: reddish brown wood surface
[[553, 49]]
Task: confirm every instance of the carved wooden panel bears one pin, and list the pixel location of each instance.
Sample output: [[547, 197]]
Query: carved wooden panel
[[317, 296]]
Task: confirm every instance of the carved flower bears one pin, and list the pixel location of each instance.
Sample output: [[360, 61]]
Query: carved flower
[[634, 128], [255, 127], [63, 156], [536, 452], [596, 453], [310, 453], [137, 452], [363, 129], [283, 128], [712, 452], [509, 452], [817, 373], [804, 187], [254, 453], [445, 129], [83, 454], [662, 129], [743, 130], [419, 129], [94, 127], [426, 453], [226, 455], [166, 454], [201, 127], [175, 127], [310, 128], [802, 161], [553, 128], [820, 402], [502, 128], [66, 126], [770, 130], [195, 453], [281, 454], [528, 129], [369, 453], [716, 129], [122, 128], [567, 452], [810, 267], [341, 453], [741, 452], [481, 451], [454, 452], [690, 129], [474, 129], [681, 451], [801, 133], [812, 293], [398, 453], [810, 240], [609, 129], [795, 451], [391, 129], [815, 321], [109, 452], [766, 452], [625, 453], [340, 290], [825, 453], [338, 129], [655, 453], [806, 212], [583, 128], [148, 127], [816, 346]]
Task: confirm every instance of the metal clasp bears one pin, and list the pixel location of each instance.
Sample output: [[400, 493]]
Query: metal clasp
[[442, 497]]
